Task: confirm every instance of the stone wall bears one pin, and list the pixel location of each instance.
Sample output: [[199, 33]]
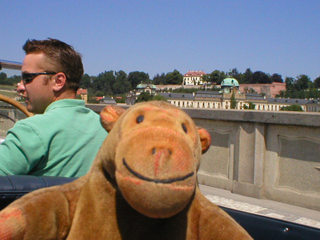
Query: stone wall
[[273, 155], [270, 90]]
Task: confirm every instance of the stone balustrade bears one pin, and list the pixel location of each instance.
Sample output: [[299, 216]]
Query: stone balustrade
[[273, 155]]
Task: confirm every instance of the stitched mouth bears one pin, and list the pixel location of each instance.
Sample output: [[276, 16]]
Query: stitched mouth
[[165, 181]]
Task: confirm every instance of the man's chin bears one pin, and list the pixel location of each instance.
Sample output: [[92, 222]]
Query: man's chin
[[30, 108]]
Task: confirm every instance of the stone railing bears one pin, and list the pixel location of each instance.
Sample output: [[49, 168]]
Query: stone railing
[[273, 155]]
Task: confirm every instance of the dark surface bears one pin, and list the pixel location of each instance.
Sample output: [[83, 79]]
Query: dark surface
[[260, 227], [14, 187]]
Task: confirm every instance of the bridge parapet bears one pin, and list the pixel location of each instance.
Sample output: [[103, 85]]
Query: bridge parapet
[[272, 155]]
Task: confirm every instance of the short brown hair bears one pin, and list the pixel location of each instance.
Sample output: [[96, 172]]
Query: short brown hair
[[61, 56]]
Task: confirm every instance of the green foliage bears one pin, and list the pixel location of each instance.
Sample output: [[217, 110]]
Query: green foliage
[[276, 78], [104, 82], [120, 98], [294, 107], [85, 82], [317, 82], [185, 90], [301, 88], [174, 77], [92, 100], [247, 76], [216, 77], [260, 77], [159, 98], [3, 78], [122, 85], [233, 102], [10, 81], [136, 78], [159, 79], [303, 82], [251, 106], [144, 97], [236, 74]]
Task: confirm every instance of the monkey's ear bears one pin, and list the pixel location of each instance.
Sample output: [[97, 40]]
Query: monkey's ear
[[109, 115], [205, 139]]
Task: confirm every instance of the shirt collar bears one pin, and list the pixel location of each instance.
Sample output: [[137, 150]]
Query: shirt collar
[[65, 103]]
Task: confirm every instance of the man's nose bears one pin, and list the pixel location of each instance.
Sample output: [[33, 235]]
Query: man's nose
[[21, 89]]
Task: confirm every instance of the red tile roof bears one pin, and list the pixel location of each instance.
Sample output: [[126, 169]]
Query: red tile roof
[[194, 74], [82, 91]]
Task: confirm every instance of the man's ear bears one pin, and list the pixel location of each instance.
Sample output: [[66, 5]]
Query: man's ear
[[109, 115], [60, 81], [205, 139]]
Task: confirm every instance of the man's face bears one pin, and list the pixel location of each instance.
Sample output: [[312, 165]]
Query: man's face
[[38, 92]]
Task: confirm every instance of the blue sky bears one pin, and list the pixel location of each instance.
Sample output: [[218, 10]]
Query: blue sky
[[274, 36]]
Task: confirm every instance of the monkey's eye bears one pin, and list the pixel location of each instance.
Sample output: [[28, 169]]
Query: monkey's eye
[[184, 128], [140, 118]]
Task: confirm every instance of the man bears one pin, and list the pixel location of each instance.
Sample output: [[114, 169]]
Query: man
[[64, 136]]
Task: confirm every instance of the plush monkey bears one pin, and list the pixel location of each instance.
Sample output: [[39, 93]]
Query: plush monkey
[[142, 185]]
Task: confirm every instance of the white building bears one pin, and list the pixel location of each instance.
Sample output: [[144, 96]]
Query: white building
[[193, 78]]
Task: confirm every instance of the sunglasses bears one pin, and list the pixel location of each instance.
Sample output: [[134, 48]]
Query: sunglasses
[[28, 77]]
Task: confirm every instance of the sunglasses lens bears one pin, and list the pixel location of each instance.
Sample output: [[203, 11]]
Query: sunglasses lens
[[27, 77]]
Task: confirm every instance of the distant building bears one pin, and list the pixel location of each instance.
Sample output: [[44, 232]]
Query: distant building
[[217, 100], [83, 94], [107, 100], [269, 90], [222, 99], [229, 84], [142, 87], [193, 78], [145, 87]]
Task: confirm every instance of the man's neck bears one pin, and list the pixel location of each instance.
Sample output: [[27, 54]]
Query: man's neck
[[69, 94]]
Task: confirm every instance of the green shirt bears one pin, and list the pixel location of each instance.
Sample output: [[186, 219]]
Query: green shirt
[[61, 142]]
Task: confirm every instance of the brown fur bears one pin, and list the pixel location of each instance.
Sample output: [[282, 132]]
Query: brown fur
[[142, 185]]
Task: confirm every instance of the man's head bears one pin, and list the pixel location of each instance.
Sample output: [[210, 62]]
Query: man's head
[[59, 57], [51, 70]]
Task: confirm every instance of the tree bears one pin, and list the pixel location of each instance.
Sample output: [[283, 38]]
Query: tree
[[174, 77], [303, 82], [159, 79], [144, 97], [276, 78], [260, 77], [317, 82], [159, 98], [251, 106], [104, 82], [247, 76], [122, 85], [233, 102], [217, 77], [136, 78], [3, 78], [289, 83], [85, 82], [236, 74]]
